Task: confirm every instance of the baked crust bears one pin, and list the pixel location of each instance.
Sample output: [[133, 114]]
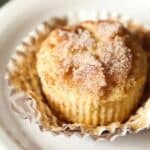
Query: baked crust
[[91, 72]]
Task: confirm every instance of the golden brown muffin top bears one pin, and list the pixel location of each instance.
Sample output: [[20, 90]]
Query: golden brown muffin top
[[93, 55]]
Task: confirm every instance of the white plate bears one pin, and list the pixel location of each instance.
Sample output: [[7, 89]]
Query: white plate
[[19, 17]]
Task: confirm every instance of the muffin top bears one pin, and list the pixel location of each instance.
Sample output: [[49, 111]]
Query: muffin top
[[92, 57]]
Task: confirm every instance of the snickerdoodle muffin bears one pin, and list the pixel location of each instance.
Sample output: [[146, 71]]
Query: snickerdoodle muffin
[[92, 73]]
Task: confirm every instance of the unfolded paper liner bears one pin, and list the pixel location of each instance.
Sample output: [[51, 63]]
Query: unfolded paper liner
[[27, 97]]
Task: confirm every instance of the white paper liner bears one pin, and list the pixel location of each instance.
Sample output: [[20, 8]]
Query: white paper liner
[[26, 106]]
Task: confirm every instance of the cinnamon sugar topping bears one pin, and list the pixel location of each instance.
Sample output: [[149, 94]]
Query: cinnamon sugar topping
[[117, 59], [110, 62], [89, 72], [75, 40], [109, 29]]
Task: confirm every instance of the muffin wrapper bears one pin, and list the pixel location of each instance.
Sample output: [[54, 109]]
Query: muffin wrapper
[[27, 98]]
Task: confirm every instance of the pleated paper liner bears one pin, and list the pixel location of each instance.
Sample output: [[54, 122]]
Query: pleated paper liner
[[27, 97]]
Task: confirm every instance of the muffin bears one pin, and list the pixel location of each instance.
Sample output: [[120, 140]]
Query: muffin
[[92, 73]]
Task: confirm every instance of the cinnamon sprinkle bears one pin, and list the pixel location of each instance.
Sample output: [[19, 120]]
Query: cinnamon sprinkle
[[74, 40], [111, 62], [117, 59]]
